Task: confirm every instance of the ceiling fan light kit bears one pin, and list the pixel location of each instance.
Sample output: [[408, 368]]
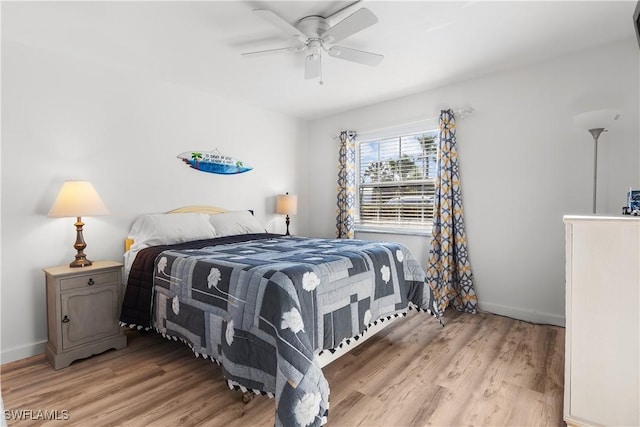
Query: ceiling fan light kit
[[313, 35]]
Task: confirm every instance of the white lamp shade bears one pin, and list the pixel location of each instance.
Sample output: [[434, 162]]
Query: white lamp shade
[[287, 204], [77, 199], [596, 119]]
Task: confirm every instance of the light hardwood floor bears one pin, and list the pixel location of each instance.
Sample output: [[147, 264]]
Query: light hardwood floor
[[479, 370]]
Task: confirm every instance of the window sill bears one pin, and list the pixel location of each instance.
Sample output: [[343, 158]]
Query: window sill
[[392, 230]]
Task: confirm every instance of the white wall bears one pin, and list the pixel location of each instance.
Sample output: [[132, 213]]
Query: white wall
[[68, 118], [523, 162], [524, 165]]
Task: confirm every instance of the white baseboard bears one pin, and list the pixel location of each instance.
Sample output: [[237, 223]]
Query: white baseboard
[[523, 314], [23, 352]]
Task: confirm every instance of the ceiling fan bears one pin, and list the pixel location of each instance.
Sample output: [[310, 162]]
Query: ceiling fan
[[313, 35]]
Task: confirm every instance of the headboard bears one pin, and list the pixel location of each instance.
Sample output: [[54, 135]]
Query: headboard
[[209, 210]]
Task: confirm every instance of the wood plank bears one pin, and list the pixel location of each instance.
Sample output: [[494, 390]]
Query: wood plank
[[478, 370]]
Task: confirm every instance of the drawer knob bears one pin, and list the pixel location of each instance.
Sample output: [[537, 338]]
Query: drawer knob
[[65, 319], [91, 282]]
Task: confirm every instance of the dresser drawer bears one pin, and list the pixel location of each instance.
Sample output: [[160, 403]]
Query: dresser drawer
[[88, 280]]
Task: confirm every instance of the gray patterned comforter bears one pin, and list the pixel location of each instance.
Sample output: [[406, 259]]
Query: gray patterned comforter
[[264, 309]]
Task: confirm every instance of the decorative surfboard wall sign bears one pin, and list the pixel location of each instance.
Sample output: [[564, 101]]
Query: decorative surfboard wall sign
[[213, 162]]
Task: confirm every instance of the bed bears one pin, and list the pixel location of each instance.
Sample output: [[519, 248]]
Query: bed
[[271, 310]]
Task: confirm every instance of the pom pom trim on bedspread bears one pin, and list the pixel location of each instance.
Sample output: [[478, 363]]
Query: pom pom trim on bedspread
[[345, 343]]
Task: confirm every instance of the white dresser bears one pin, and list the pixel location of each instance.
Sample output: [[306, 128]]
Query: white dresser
[[602, 347]]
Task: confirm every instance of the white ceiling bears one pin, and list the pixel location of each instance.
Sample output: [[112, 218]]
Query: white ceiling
[[425, 43]]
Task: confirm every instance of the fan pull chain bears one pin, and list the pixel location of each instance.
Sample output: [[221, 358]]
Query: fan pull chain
[[320, 59]]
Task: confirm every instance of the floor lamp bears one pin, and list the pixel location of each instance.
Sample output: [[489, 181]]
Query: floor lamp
[[596, 122]]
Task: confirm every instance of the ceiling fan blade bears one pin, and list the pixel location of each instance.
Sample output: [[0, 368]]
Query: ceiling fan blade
[[312, 66], [354, 55], [357, 21], [269, 51], [344, 11], [283, 25]]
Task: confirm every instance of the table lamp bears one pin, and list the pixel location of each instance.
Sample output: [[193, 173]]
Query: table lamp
[[78, 199], [287, 204]]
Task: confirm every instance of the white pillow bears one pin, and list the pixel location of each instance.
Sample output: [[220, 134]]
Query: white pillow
[[167, 229], [235, 222]]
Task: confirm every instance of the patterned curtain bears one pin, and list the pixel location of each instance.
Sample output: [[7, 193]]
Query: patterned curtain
[[448, 268], [346, 185]]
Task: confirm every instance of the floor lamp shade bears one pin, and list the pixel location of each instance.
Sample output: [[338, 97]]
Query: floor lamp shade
[[597, 119], [287, 204], [78, 199]]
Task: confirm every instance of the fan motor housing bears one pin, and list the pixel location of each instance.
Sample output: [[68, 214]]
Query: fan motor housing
[[313, 26]]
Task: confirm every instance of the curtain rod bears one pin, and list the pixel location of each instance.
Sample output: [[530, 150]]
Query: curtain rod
[[460, 113]]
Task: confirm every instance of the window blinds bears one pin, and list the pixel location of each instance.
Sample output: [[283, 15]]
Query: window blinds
[[396, 183]]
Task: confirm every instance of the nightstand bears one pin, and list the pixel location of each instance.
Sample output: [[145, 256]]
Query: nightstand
[[83, 310]]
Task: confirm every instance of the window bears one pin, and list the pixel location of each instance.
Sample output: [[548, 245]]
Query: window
[[396, 182]]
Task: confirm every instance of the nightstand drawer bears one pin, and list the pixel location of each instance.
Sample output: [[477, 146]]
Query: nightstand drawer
[[88, 280]]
